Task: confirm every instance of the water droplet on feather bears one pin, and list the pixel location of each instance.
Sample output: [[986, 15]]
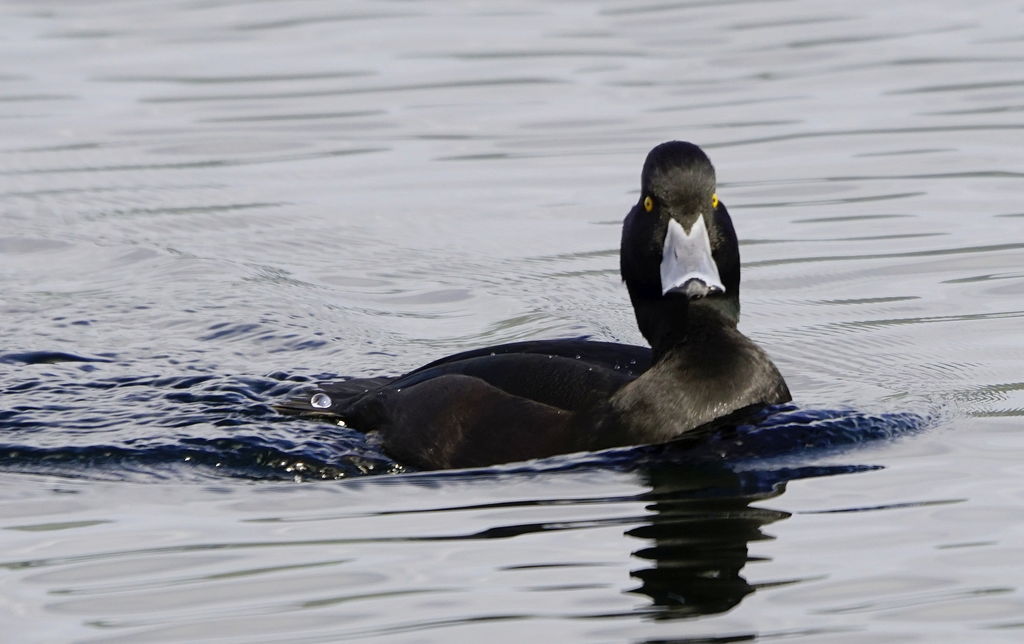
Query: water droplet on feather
[[320, 401]]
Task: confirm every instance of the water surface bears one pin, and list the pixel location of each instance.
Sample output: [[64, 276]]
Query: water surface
[[206, 206]]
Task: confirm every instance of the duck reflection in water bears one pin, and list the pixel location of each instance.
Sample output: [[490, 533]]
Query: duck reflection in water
[[701, 523]]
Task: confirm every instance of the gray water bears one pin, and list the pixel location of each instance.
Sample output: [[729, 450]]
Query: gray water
[[206, 205]]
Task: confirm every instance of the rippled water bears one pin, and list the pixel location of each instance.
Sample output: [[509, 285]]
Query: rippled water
[[204, 207]]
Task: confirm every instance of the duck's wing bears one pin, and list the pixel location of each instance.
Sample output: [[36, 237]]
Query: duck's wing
[[566, 383], [456, 421], [565, 373], [628, 358]]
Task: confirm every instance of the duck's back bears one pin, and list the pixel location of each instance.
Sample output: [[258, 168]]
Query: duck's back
[[567, 374]]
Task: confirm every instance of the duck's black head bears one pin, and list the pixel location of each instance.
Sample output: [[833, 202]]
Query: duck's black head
[[679, 249]]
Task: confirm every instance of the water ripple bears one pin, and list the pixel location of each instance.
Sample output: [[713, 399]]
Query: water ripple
[[379, 89]]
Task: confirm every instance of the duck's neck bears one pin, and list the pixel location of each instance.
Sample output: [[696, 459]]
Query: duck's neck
[[668, 322], [703, 369]]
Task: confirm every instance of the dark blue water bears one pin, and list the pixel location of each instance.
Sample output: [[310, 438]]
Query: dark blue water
[[205, 425]]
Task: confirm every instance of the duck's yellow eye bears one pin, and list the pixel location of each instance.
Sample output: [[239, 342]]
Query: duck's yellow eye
[[714, 200], [648, 204]]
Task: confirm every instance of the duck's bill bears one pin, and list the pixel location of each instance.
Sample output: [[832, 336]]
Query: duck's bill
[[687, 266]]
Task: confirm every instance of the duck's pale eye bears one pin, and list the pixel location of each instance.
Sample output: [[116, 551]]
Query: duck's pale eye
[[714, 200], [648, 204]]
